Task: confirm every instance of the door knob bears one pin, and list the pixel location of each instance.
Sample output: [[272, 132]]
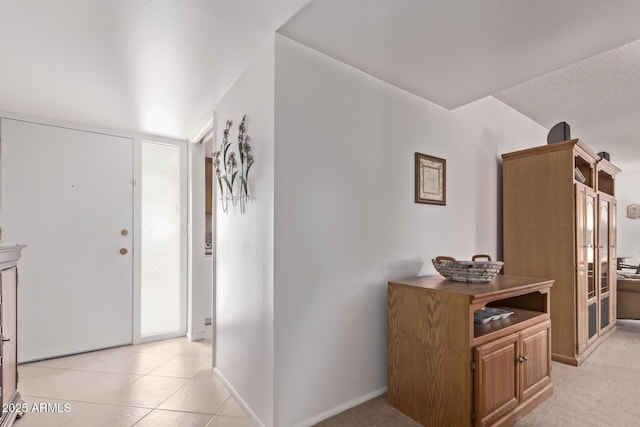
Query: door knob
[[123, 251], [124, 232]]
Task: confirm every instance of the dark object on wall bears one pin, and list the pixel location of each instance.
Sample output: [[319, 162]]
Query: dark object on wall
[[559, 132], [604, 155]]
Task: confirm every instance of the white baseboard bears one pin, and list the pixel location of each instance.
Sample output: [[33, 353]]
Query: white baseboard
[[247, 410], [342, 407], [309, 422]]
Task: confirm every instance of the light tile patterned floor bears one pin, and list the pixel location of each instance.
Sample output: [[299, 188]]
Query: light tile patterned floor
[[166, 383]]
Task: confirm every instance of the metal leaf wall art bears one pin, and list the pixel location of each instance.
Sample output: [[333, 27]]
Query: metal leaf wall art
[[232, 167]]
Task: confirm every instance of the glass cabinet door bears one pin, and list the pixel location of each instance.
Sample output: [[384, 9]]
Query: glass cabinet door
[[603, 247], [591, 244], [606, 260], [613, 254]]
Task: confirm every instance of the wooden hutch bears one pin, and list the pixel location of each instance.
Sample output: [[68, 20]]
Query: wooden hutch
[[559, 213]]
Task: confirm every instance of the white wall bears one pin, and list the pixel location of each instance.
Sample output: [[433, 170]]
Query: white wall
[[500, 129], [628, 192], [501, 126], [346, 222], [301, 277], [244, 248]]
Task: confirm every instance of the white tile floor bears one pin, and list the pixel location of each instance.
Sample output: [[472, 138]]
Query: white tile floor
[[165, 383]]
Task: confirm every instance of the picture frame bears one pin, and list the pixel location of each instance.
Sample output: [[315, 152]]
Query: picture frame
[[431, 179]]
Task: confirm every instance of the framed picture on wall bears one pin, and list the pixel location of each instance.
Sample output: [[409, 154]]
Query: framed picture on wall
[[431, 180]]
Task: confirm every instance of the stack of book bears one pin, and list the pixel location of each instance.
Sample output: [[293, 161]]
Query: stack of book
[[488, 314]]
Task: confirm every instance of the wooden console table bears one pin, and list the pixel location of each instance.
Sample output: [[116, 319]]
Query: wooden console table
[[443, 369]]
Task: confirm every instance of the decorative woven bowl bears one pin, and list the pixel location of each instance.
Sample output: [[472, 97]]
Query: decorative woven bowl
[[468, 271]]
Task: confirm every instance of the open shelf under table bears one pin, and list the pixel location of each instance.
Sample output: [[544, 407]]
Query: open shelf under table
[[506, 325]]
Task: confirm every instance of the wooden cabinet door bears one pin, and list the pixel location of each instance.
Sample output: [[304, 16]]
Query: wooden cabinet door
[[535, 359], [496, 379], [8, 307]]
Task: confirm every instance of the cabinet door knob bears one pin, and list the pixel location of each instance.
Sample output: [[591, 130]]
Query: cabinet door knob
[[6, 339], [123, 251]]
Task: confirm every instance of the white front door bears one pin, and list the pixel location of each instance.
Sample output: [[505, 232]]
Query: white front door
[[68, 195]]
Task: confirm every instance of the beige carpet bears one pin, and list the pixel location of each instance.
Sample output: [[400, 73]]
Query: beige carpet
[[603, 392]]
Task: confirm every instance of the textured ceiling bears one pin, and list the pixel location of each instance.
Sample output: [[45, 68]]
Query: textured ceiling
[[598, 97], [159, 66], [455, 52]]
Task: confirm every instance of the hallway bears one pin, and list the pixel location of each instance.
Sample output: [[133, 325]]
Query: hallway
[[164, 383]]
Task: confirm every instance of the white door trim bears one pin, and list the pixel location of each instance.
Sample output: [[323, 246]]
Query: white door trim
[[195, 316], [137, 238]]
